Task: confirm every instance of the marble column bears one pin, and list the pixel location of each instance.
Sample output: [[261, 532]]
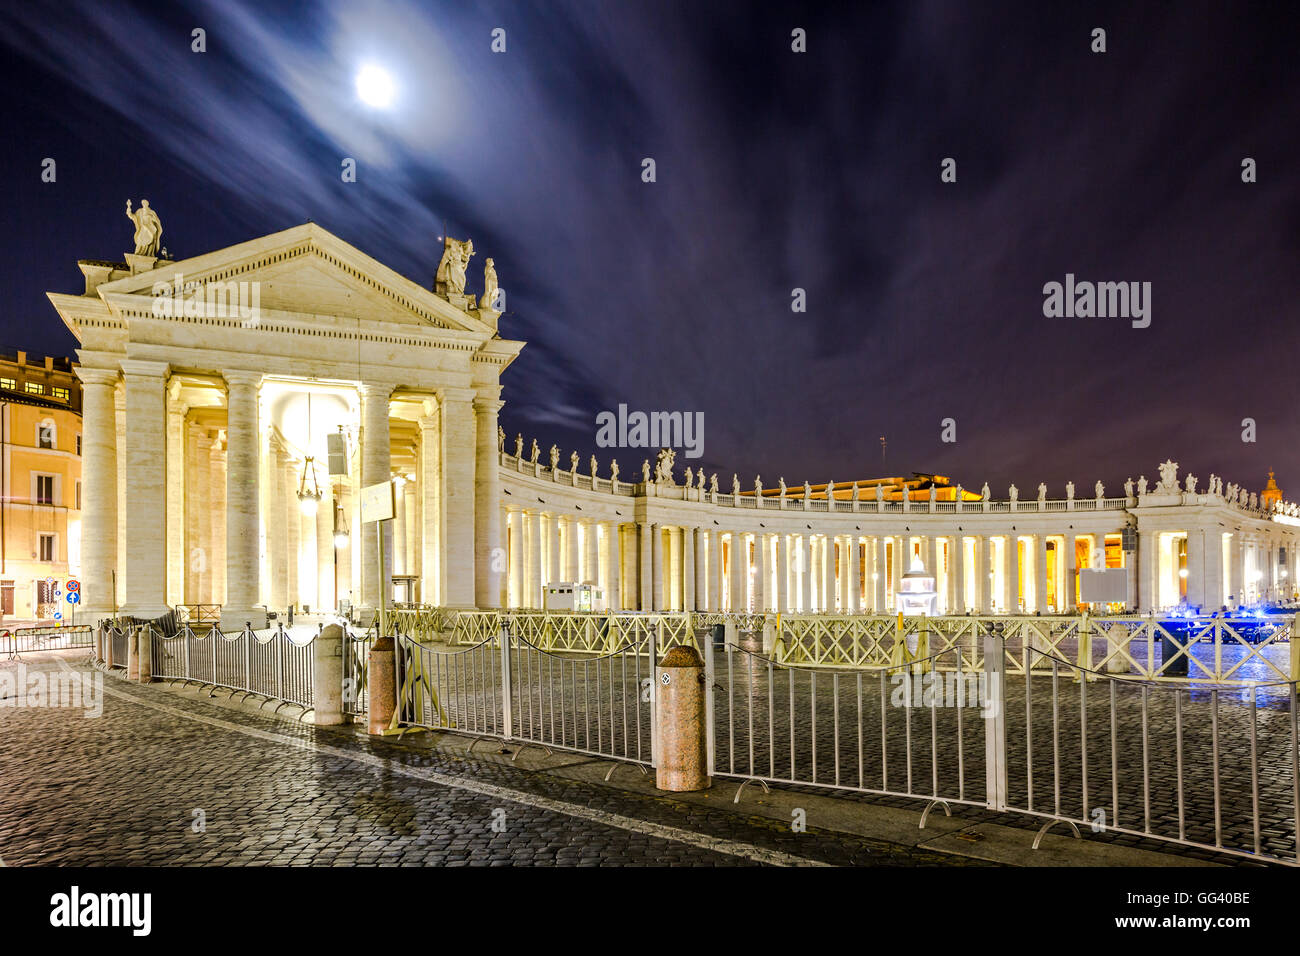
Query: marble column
[[400, 564], [293, 526], [217, 520], [119, 424], [645, 566], [879, 583], [516, 557], [572, 565], [432, 579], [934, 559], [536, 597], [487, 492], [1040, 574], [324, 540], [194, 511], [738, 567], [763, 577], [176, 564], [1147, 570], [657, 567], [804, 561], [855, 574], [984, 580], [203, 526], [277, 532], [146, 486], [591, 548], [98, 490], [614, 581], [957, 585], [1195, 567], [715, 570], [413, 531], [783, 573], [376, 468], [460, 491], [688, 569], [554, 569], [700, 547]]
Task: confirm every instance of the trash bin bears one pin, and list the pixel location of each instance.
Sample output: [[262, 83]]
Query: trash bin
[[719, 635], [1178, 668]]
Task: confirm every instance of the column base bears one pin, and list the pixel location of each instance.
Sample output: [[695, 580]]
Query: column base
[[235, 619], [144, 612]]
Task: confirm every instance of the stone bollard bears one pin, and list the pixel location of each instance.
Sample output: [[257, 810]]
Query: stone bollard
[[769, 637], [381, 684], [144, 655], [108, 650], [679, 686], [133, 653], [327, 677]]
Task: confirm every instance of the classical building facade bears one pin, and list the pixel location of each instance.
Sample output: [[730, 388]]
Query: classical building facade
[[237, 402], [40, 472]]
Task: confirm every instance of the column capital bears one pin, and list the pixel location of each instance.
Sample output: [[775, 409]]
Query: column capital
[[376, 390], [145, 368], [97, 376], [241, 377], [482, 404], [450, 394]]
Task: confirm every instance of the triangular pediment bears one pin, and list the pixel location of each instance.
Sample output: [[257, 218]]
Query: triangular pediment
[[309, 270]]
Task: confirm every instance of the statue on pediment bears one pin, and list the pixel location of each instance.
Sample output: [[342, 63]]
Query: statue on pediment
[[555, 457], [690, 476], [519, 446], [713, 483], [573, 463], [1142, 484], [501, 438], [613, 469], [1168, 478], [1128, 488], [645, 470], [781, 484], [593, 467], [534, 452], [1099, 490], [1042, 492], [450, 278], [490, 297], [148, 228]]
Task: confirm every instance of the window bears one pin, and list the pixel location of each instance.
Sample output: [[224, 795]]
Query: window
[[78, 445], [34, 388], [78, 496], [45, 489], [8, 383], [45, 435], [47, 548], [60, 393]]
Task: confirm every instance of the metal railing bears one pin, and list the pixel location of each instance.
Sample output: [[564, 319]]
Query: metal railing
[[510, 687], [1221, 651], [198, 613], [26, 640], [271, 665], [1003, 721], [356, 670]]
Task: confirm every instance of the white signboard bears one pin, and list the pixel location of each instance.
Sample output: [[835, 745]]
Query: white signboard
[[377, 502], [1103, 587]]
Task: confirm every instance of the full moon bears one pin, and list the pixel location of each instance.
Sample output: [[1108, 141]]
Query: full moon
[[375, 87]]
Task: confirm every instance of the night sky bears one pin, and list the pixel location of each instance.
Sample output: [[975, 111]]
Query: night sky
[[775, 170]]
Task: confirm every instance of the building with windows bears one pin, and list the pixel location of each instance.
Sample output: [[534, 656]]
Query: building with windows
[[238, 402], [40, 473]]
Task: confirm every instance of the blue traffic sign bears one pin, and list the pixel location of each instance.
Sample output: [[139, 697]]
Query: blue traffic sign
[[74, 597]]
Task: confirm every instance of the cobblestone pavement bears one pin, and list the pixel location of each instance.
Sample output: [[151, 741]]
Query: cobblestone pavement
[[162, 779]]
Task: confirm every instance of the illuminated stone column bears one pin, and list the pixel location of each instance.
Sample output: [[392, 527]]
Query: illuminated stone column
[[536, 599], [400, 566], [1196, 589], [554, 569], [645, 567], [591, 548], [323, 534], [431, 569], [783, 573], [217, 519], [572, 568], [98, 490], [205, 558], [176, 524], [855, 573], [413, 533], [738, 567], [1148, 568], [461, 490], [293, 528], [1040, 574], [486, 528], [277, 532], [614, 557], [700, 546], [657, 567], [121, 563], [826, 573], [688, 569], [934, 559], [984, 573], [804, 562], [880, 583], [146, 487], [376, 468], [763, 577], [715, 570], [516, 557], [957, 579]]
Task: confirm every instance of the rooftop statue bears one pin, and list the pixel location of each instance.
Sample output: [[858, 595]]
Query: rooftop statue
[[1168, 477], [613, 469], [489, 298], [1099, 489], [148, 228], [451, 270], [501, 438], [1042, 492], [534, 451]]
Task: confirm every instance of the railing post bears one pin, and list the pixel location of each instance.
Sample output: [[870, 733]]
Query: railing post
[[145, 653], [682, 764], [507, 685], [709, 743], [133, 653], [1295, 649], [248, 666], [279, 658], [995, 723], [652, 640]]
